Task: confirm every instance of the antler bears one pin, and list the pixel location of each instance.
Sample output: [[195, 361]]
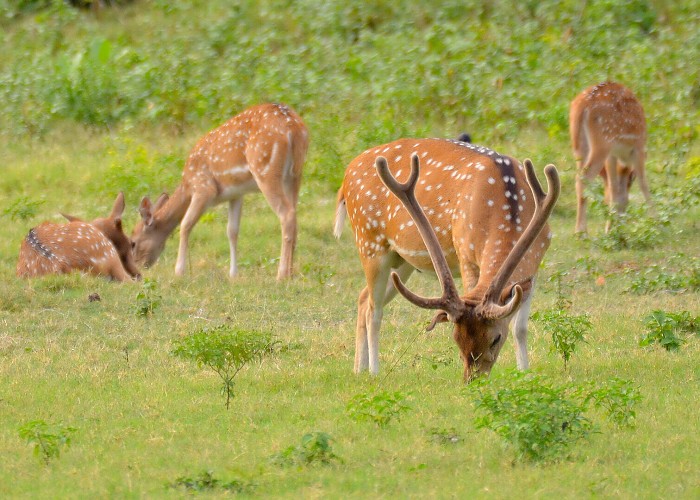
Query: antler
[[450, 300], [544, 203]]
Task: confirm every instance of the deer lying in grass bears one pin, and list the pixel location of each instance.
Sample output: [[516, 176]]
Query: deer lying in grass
[[608, 136], [99, 247], [467, 208], [263, 148]]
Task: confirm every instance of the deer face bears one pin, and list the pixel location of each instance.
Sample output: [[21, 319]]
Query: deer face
[[480, 330], [148, 239], [479, 343], [147, 244], [112, 228]]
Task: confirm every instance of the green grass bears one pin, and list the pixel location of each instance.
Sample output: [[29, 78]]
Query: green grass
[[145, 418]]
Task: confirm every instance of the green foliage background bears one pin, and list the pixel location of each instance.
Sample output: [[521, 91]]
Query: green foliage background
[[97, 103]]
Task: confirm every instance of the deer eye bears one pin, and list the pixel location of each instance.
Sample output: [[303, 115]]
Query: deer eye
[[133, 245], [495, 341]]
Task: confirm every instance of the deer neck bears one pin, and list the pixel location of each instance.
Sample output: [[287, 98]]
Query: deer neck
[[171, 213]]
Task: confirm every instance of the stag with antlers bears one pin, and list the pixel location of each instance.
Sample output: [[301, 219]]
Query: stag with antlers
[[468, 209]]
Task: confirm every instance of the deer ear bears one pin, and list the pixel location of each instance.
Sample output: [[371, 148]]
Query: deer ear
[[71, 217], [118, 224], [509, 291], [440, 317], [161, 201], [118, 207], [146, 211]]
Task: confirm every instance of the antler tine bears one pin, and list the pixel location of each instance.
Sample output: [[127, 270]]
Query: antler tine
[[544, 203], [450, 300]]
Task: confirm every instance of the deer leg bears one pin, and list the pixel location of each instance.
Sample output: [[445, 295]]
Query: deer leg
[[361, 349], [284, 206], [589, 171], [375, 312], [616, 199], [404, 270], [371, 310], [520, 330], [641, 175], [198, 205], [288, 221], [234, 223], [615, 181]]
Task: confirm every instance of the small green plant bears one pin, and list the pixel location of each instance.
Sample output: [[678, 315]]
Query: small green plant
[[318, 272], [47, 439], [22, 209], [148, 299], [225, 350], [567, 330], [539, 419], [315, 448], [206, 481], [562, 288], [664, 328], [444, 436], [618, 398], [380, 408]]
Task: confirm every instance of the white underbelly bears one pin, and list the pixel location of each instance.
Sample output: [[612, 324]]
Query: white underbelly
[[233, 191]]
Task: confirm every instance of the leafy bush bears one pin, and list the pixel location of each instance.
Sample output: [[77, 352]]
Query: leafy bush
[[636, 229], [664, 328], [225, 350], [380, 408], [619, 398], [541, 420], [47, 439], [134, 169], [567, 330], [22, 209], [315, 448]]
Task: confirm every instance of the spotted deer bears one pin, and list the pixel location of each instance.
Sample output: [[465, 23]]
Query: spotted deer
[[467, 208], [99, 247], [261, 149], [608, 136]]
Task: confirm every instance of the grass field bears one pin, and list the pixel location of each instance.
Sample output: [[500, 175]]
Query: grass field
[[95, 106]]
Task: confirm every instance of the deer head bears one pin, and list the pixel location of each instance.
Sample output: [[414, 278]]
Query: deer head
[[148, 237], [112, 228], [480, 325]]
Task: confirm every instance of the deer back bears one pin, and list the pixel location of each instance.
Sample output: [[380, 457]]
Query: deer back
[[607, 116], [265, 143], [477, 201], [61, 248]]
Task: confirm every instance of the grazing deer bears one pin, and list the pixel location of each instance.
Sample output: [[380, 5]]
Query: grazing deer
[[99, 247], [263, 148], [479, 212], [608, 136]]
